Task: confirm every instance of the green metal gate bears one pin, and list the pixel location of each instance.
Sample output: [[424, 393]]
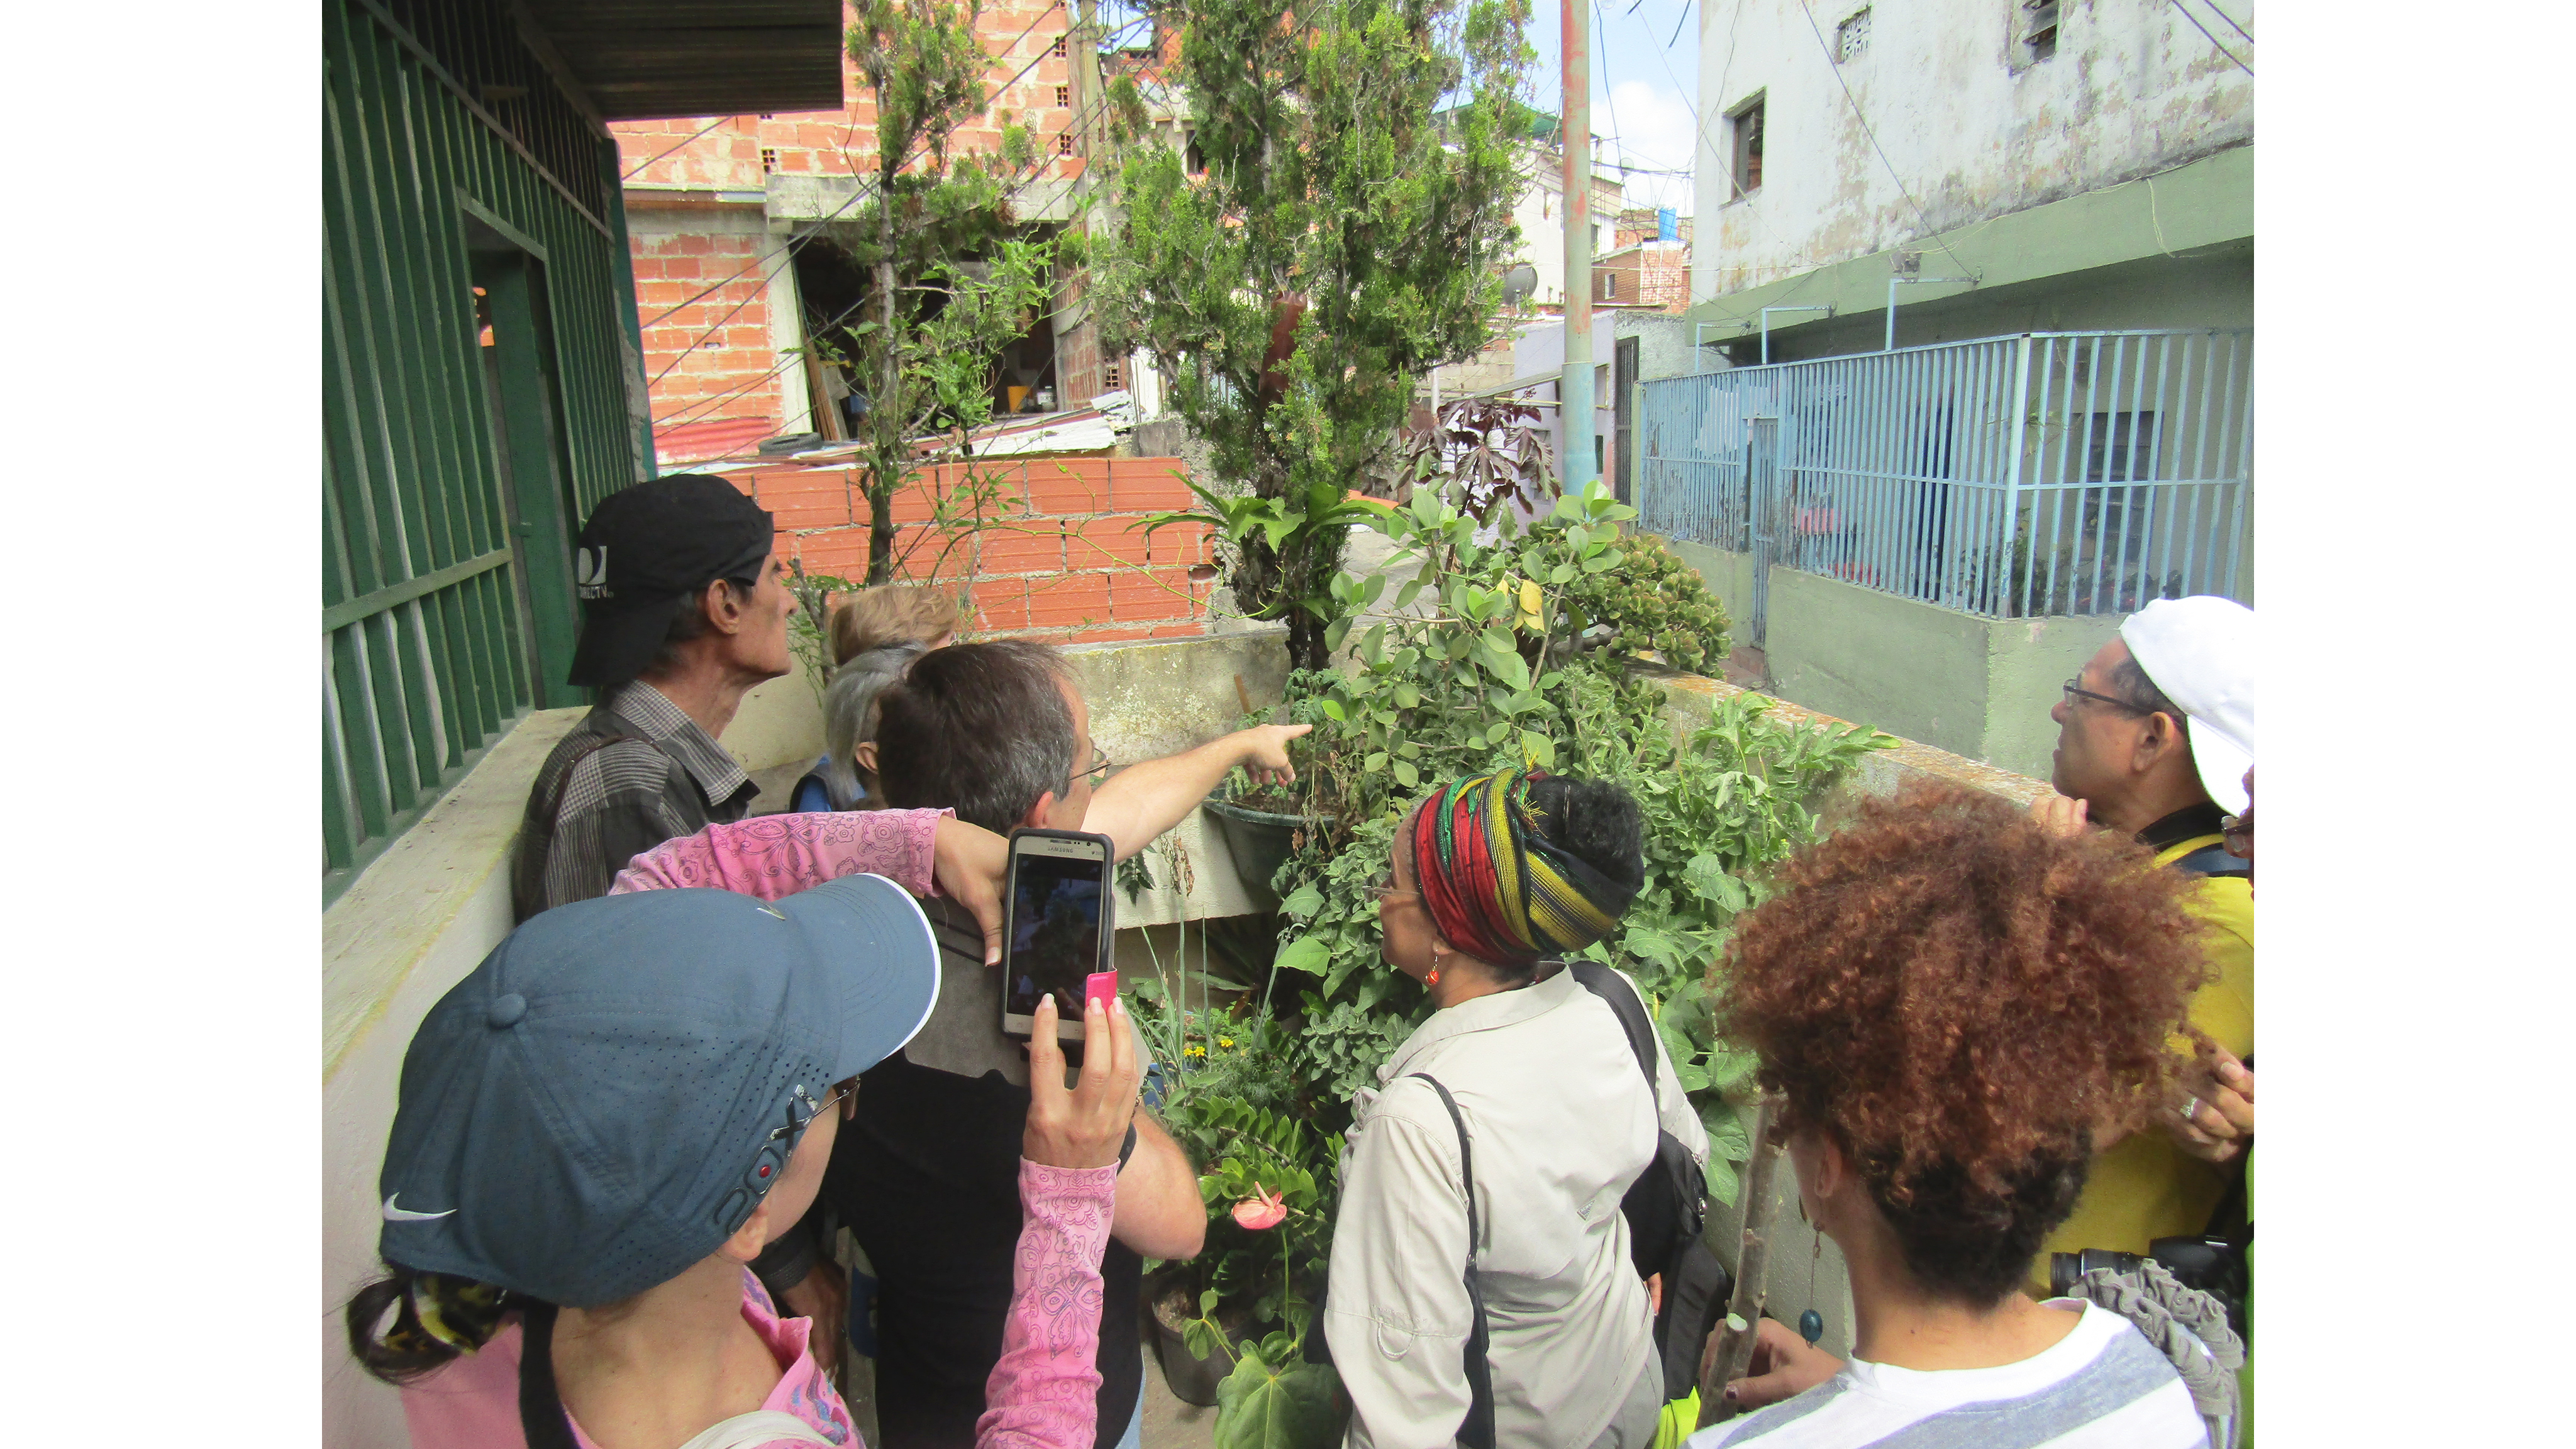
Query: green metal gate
[[480, 394]]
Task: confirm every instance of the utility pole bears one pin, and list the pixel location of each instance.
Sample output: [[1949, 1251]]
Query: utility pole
[[1574, 384]]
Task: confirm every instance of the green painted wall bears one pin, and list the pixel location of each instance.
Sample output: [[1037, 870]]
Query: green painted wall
[[2027, 660], [1976, 687], [1910, 669], [1729, 576]]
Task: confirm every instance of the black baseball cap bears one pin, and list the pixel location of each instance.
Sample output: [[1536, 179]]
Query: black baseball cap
[[644, 549]]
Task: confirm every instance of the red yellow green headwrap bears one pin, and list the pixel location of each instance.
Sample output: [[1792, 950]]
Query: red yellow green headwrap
[[1496, 886]]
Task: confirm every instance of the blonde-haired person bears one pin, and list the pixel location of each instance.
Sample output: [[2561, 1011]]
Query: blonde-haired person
[[876, 633], [887, 614]]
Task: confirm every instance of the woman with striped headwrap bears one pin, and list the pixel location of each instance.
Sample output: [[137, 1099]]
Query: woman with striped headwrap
[[1494, 879]]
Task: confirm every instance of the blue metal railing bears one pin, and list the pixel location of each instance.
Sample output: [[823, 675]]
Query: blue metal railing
[[2049, 473]]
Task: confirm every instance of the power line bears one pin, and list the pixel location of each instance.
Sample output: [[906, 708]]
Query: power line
[[1828, 54], [2212, 39], [693, 135], [1074, 124], [2230, 19], [798, 242], [860, 189]]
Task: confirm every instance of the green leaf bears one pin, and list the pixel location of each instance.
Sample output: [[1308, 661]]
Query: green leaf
[[1709, 880], [1601, 563], [1307, 954], [1303, 902], [1333, 709], [1406, 696], [1406, 775], [1374, 762], [1259, 1406], [1540, 748], [1561, 575]]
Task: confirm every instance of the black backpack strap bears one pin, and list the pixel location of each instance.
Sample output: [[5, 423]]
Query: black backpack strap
[[1630, 1008], [2214, 861], [1477, 1432], [541, 1410]]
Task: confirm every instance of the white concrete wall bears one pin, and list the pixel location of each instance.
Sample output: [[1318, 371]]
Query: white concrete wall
[[1973, 130], [1540, 211]]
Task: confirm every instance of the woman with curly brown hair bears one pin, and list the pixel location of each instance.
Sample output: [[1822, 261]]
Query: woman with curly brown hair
[[1956, 1008]]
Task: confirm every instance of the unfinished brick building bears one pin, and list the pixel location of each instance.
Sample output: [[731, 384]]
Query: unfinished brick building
[[730, 220]]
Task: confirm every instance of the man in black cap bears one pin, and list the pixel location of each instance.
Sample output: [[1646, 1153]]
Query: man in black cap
[[684, 609]]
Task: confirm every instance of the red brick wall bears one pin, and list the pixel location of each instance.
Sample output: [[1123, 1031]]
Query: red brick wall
[[844, 142], [729, 372], [718, 380], [1069, 562]]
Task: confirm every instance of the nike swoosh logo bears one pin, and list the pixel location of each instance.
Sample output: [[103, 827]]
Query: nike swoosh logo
[[403, 1215]]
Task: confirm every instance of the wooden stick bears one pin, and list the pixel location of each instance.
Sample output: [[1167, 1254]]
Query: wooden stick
[[1730, 1349]]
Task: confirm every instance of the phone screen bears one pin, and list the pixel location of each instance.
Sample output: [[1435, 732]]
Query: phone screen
[[1054, 933]]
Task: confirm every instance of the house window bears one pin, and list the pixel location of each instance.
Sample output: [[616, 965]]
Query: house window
[[1064, 143], [1610, 286], [1851, 38], [1109, 376], [1744, 128], [2038, 39], [1063, 46], [768, 159], [1600, 382], [1064, 95]]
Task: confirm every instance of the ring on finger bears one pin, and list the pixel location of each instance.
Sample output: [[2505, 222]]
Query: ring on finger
[[2190, 1109]]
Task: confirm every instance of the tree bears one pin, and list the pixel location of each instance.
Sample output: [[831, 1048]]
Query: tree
[[952, 280], [1346, 236]]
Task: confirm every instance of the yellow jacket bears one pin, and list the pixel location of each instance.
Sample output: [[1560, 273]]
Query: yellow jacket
[[2145, 1187]]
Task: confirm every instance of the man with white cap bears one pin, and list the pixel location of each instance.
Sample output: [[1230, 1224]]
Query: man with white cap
[[2154, 740]]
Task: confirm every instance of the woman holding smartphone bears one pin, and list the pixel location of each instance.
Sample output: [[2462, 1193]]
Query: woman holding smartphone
[[1493, 881]]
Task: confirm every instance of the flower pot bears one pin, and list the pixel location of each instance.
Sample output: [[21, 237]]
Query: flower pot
[[1193, 1380], [1259, 841]]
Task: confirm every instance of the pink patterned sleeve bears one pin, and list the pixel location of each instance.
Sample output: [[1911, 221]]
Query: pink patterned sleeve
[[1043, 1394], [770, 856]]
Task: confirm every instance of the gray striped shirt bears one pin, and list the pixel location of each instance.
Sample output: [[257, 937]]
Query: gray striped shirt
[[2103, 1386], [667, 778]]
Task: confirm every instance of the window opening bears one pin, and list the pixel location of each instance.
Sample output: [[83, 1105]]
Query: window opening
[[1745, 132], [2038, 29], [1063, 46], [1064, 143], [768, 159], [1109, 375], [1064, 95]]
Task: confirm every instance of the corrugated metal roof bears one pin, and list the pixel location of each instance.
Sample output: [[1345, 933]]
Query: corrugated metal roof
[[649, 59]]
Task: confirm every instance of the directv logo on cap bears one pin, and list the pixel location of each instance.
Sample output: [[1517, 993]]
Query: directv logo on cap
[[590, 572]]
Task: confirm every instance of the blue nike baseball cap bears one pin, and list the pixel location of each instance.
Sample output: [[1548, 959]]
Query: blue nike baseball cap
[[606, 1098]]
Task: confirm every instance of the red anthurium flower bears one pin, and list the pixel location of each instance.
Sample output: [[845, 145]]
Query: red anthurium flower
[[1264, 1210]]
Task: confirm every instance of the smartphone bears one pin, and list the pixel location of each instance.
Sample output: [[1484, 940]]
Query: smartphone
[[1057, 927]]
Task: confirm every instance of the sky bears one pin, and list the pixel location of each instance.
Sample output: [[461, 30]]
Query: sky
[[1645, 85], [1645, 88]]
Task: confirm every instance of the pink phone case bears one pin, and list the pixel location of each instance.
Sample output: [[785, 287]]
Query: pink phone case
[[1099, 986]]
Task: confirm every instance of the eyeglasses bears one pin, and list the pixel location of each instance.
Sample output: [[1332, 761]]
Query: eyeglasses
[[1385, 889], [1100, 764], [2237, 832], [2075, 690], [847, 1099]]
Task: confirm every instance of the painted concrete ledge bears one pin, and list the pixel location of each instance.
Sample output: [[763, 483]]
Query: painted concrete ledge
[[410, 896], [1693, 698]]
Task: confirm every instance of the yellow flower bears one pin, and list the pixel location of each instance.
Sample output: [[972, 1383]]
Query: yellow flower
[[1226, 1042], [1194, 1050], [1531, 617]]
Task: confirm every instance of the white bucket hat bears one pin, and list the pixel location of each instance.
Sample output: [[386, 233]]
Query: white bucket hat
[[2200, 652]]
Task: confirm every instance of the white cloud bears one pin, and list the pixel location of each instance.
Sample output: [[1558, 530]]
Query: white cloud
[[1653, 128]]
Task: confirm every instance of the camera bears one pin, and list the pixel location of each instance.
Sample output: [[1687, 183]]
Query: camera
[[2213, 1265]]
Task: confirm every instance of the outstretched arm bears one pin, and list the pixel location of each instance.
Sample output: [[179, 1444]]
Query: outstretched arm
[[1140, 802]]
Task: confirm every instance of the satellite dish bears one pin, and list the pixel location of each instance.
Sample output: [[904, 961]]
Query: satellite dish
[[1518, 284]]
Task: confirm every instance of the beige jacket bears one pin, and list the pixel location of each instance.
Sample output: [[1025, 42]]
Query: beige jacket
[[1561, 1123]]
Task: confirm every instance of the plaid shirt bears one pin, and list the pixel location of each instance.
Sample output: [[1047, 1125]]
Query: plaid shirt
[[666, 779]]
